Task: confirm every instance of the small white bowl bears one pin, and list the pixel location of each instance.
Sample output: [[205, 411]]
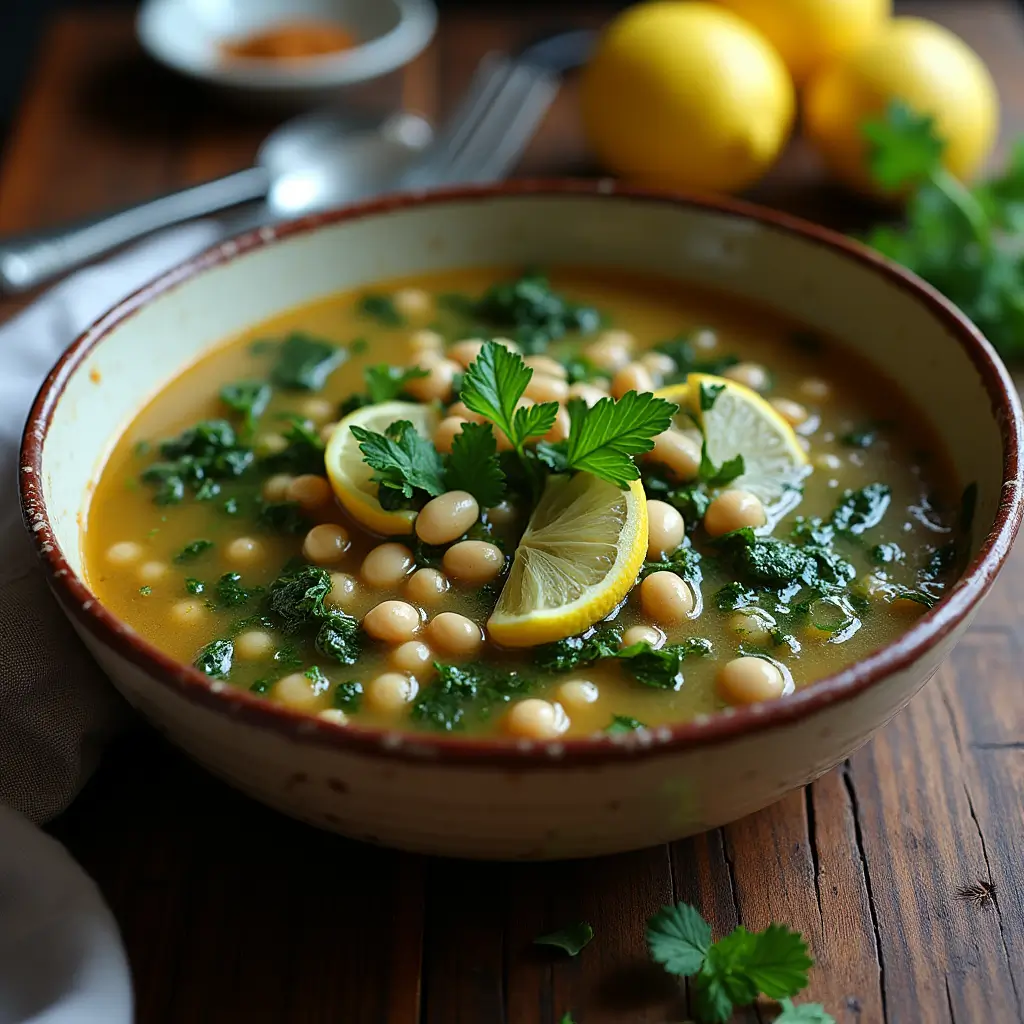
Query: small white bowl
[[187, 35]]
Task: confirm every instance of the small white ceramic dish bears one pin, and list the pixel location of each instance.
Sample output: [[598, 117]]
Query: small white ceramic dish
[[61, 959], [187, 35], [494, 797]]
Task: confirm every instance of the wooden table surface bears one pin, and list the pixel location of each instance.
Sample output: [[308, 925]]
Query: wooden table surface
[[904, 866]]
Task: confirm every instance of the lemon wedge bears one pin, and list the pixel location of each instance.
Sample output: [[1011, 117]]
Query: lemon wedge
[[740, 422], [350, 475], [579, 557]]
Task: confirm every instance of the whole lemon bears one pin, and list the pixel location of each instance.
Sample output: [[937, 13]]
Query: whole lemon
[[933, 71], [809, 33], [686, 96]]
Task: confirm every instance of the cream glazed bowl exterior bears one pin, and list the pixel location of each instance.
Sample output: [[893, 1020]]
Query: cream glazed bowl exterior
[[503, 798]]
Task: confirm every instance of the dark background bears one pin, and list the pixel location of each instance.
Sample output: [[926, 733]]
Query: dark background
[[22, 23]]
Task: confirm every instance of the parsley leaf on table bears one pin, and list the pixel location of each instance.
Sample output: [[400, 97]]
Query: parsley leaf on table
[[804, 1013], [403, 460], [473, 466], [572, 939], [304, 363], [679, 939], [732, 971], [603, 438]]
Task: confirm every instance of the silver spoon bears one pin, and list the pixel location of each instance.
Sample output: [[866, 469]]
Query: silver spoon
[[307, 164]]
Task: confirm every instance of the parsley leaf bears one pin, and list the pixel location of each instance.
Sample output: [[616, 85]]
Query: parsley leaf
[[493, 384], [903, 148], [679, 939], [382, 309], [708, 395], [661, 668], [621, 724], [304, 363], [804, 1013], [572, 939], [777, 962], [473, 465], [404, 461], [603, 437], [732, 971], [250, 398], [215, 659], [386, 383]]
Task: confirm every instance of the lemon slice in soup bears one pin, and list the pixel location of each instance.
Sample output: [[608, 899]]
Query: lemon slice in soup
[[735, 420], [350, 475], [578, 558]]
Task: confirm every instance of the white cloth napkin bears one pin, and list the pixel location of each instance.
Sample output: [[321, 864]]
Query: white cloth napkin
[[61, 958], [56, 708]]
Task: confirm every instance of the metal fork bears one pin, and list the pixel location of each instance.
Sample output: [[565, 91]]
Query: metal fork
[[489, 130]]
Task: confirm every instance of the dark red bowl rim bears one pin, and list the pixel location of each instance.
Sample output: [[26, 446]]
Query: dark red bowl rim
[[453, 749]]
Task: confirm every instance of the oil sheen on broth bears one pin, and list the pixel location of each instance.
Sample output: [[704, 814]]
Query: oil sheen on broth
[[188, 555]]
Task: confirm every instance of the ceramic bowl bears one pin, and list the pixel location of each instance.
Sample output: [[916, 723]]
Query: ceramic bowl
[[186, 35], [508, 799]]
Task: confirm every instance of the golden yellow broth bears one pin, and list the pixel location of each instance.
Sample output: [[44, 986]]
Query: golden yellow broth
[[905, 457]]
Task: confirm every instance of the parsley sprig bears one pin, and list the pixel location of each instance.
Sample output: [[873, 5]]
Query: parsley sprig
[[964, 241], [737, 968]]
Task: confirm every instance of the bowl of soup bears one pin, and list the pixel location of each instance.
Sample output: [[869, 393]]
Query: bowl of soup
[[535, 521]]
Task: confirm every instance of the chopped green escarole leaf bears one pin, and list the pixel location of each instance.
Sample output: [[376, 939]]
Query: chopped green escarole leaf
[[965, 242], [622, 724], [572, 939], [215, 659], [191, 551], [249, 398], [461, 690], [733, 971], [661, 667], [531, 312], [304, 363], [574, 651], [382, 309]]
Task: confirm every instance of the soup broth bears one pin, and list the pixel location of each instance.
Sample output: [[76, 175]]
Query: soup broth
[[217, 490]]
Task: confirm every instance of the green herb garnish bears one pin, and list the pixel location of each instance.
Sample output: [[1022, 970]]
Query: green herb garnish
[[386, 383], [195, 460], [404, 463], [965, 242], [382, 309], [248, 398], [304, 363], [463, 689], [230, 592], [215, 659], [733, 971], [190, 552], [340, 638], [621, 724], [297, 597], [571, 938], [348, 696], [473, 465]]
